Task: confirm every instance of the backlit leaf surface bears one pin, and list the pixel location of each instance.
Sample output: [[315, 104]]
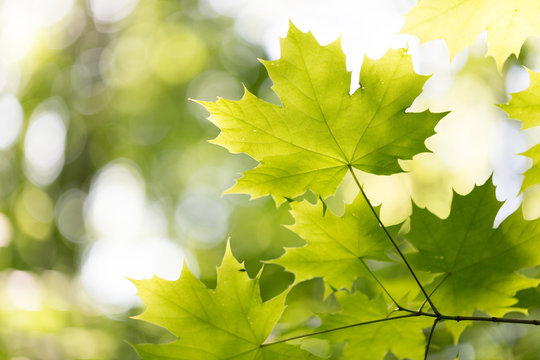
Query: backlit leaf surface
[[309, 141], [525, 106], [459, 22], [230, 322], [478, 263], [404, 337], [336, 246]]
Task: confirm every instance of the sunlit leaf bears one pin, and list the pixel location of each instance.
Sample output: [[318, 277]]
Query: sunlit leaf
[[230, 322], [402, 336], [336, 246], [459, 22], [525, 106], [309, 142], [478, 263]]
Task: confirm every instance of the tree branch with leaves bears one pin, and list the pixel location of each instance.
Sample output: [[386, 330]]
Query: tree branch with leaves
[[456, 267]]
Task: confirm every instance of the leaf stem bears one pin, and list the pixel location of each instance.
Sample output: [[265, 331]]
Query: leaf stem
[[473, 318], [430, 337], [380, 283], [393, 242], [419, 313], [433, 291], [489, 319], [413, 313]]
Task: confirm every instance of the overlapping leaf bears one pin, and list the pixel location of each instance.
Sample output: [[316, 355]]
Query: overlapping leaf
[[478, 263], [459, 22], [525, 106], [403, 336], [309, 142], [230, 322], [336, 246], [532, 176]]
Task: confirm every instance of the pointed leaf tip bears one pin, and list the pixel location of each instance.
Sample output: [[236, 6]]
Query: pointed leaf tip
[[228, 322]]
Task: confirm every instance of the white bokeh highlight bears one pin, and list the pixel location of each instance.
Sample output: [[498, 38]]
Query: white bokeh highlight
[[366, 27], [129, 238], [109, 11], [44, 146], [11, 120], [21, 21], [24, 291], [202, 218]]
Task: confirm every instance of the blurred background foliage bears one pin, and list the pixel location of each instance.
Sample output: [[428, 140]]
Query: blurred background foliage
[[105, 169], [106, 172]]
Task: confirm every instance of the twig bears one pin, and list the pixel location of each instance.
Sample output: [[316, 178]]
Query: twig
[[430, 337], [380, 284], [416, 314], [433, 291], [340, 328], [490, 319], [393, 242]]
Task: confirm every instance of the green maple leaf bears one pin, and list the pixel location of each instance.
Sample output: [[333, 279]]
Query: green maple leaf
[[402, 336], [336, 246], [459, 22], [309, 142], [525, 106], [230, 322], [478, 263]]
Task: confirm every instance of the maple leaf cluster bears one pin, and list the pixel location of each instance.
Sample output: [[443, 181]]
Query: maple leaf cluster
[[318, 134]]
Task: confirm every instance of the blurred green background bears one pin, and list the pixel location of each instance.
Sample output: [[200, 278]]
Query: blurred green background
[[105, 169], [106, 172]]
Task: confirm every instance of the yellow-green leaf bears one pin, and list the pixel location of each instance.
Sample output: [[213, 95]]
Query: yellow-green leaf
[[525, 106], [459, 22], [230, 322], [309, 141], [402, 336], [336, 246], [532, 176]]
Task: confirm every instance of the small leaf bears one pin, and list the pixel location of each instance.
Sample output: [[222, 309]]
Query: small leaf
[[230, 322], [335, 245]]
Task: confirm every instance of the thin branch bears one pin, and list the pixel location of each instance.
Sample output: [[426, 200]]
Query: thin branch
[[380, 284], [433, 291], [393, 242], [474, 318], [415, 314], [340, 328], [437, 315], [420, 313], [430, 337], [489, 319]]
